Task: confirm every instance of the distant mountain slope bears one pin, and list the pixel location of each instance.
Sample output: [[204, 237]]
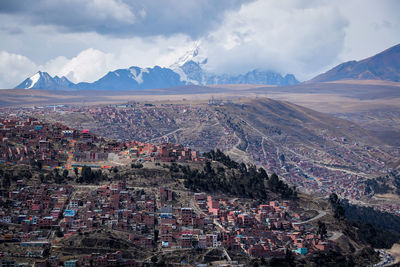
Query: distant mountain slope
[[383, 66], [188, 70], [254, 77], [135, 78]]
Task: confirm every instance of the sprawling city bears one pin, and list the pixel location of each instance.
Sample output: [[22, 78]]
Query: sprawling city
[[229, 133]]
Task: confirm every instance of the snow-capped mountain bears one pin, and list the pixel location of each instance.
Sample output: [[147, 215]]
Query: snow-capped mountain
[[189, 69], [135, 78], [42, 80]]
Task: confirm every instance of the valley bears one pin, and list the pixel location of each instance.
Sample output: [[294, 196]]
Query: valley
[[315, 152]]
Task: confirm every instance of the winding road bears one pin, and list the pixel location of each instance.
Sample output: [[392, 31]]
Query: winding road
[[321, 214]]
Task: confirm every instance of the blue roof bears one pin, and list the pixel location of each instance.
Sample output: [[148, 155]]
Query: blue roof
[[301, 251], [69, 213]]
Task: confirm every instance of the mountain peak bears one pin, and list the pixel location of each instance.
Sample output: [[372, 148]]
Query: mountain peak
[[30, 82], [192, 55], [43, 80]]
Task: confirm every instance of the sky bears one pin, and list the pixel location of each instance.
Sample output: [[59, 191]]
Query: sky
[[84, 39]]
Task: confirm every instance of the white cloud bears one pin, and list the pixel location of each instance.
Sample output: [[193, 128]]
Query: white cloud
[[373, 27], [285, 37], [54, 65], [91, 64], [87, 65], [14, 68], [106, 9]]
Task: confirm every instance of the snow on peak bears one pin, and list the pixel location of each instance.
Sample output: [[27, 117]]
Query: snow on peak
[[192, 55], [190, 66], [138, 75], [34, 79]]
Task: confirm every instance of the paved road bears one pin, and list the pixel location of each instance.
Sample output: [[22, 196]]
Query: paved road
[[161, 136], [335, 234], [226, 254], [86, 186], [321, 214]]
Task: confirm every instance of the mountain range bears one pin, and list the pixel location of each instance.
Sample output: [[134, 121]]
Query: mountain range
[[191, 69], [188, 70]]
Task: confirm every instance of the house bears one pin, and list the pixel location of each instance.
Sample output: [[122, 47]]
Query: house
[[70, 263], [301, 250]]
